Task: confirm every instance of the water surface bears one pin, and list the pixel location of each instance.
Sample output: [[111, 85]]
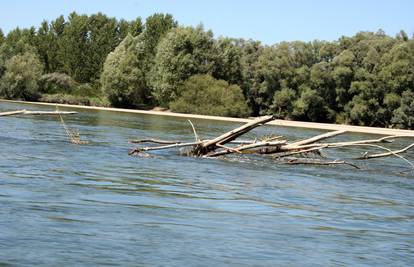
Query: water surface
[[68, 205]]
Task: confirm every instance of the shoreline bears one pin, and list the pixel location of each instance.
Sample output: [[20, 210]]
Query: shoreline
[[277, 122]]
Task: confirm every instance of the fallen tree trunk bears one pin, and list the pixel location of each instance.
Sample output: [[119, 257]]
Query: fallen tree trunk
[[11, 113], [29, 112], [211, 145], [240, 149], [167, 142], [275, 147]]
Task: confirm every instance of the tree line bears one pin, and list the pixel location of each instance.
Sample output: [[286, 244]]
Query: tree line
[[366, 79]]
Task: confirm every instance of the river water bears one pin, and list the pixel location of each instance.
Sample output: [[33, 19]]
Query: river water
[[70, 205]]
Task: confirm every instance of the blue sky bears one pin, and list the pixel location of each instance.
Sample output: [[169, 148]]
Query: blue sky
[[265, 20]]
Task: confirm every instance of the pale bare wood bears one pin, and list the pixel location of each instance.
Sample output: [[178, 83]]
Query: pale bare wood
[[287, 153], [49, 112], [368, 141], [139, 149], [29, 112], [298, 161], [10, 113], [341, 144], [194, 131], [166, 142], [229, 148], [315, 139], [386, 154], [155, 141], [233, 134], [239, 149]]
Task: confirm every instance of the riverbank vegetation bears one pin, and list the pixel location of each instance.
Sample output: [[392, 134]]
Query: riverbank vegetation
[[366, 79]]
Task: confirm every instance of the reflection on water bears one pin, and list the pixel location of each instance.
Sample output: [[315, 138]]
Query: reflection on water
[[62, 204]]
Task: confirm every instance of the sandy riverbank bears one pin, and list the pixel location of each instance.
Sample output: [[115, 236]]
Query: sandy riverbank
[[301, 124]]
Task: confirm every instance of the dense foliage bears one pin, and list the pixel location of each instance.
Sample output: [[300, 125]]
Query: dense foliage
[[20, 79], [366, 79], [202, 94]]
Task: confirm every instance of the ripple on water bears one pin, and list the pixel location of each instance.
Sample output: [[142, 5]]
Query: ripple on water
[[62, 204]]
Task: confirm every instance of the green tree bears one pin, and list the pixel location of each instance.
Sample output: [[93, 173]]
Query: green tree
[[321, 81], [1, 37], [251, 51], [156, 27], [74, 48], [56, 30], [102, 37], [45, 43], [20, 80], [185, 51], [397, 68], [85, 43], [135, 27], [283, 101], [229, 61], [16, 43], [403, 116], [124, 76], [310, 106], [202, 94], [269, 75]]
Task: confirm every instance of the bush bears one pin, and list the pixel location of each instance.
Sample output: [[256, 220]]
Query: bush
[[65, 99], [202, 94], [20, 80], [85, 89], [53, 83], [74, 100]]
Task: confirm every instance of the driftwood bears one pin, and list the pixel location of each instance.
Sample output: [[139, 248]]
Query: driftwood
[[296, 161], [29, 112], [210, 145], [274, 147], [73, 135]]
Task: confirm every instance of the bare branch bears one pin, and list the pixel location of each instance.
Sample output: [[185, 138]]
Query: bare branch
[[194, 131], [315, 139]]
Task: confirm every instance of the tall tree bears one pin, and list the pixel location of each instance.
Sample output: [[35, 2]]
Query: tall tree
[[85, 43], [1, 37], [185, 51], [124, 76], [156, 26], [229, 61]]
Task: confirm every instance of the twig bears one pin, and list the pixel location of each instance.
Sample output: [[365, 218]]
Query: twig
[[319, 162], [390, 153], [194, 131], [155, 141]]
